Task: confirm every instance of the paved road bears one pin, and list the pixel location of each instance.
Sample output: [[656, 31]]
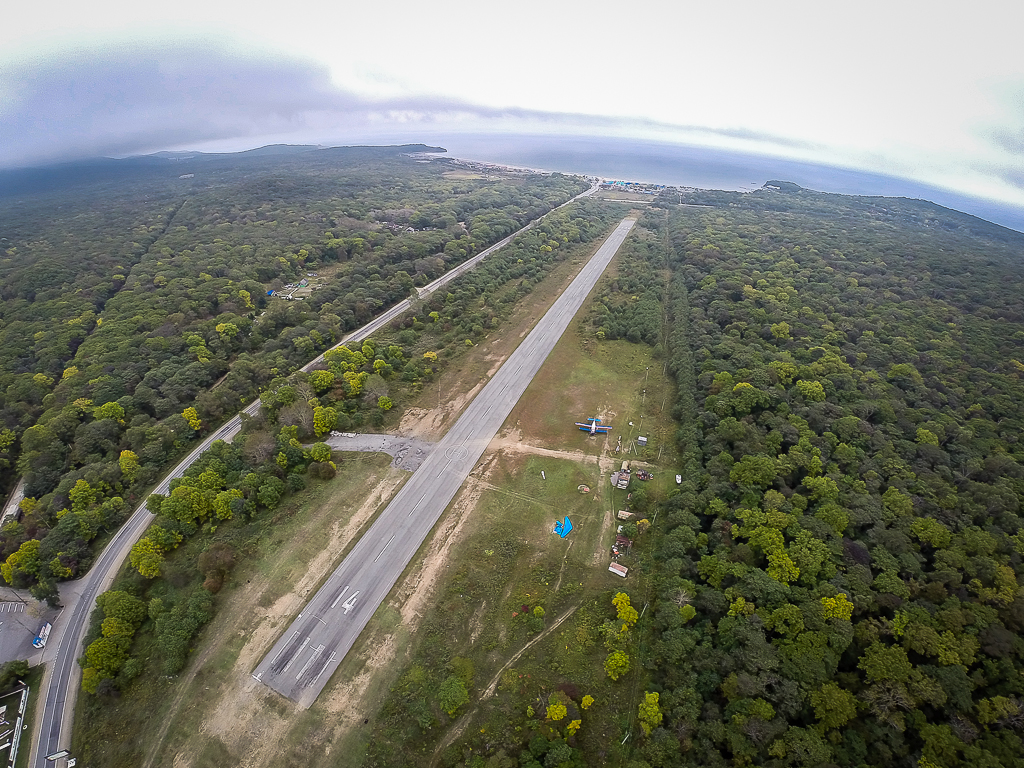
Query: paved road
[[52, 730], [310, 650]]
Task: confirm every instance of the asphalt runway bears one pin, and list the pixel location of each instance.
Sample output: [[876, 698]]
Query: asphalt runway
[[306, 655]]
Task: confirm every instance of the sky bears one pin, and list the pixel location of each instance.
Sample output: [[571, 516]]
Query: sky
[[925, 91]]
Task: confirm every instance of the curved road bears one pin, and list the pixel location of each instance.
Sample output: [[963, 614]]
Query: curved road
[[52, 729], [310, 650]]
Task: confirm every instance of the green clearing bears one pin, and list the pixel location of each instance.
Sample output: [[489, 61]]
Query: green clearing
[[511, 558]]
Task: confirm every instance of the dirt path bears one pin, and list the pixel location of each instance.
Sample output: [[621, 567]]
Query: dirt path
[[460, 725], [512, 444]]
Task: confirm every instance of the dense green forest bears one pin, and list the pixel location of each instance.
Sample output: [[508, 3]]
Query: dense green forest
[[839, 577], [136, 314], [837, 581]]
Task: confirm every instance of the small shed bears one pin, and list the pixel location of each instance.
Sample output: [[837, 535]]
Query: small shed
[[621, 570], [624, 515], [642, 441]]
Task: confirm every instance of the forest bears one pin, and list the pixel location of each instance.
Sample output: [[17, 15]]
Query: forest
[[136, 313], [839, 577], [836, 581]]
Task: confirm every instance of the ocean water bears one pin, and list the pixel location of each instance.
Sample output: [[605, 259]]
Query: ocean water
[[682, 165]]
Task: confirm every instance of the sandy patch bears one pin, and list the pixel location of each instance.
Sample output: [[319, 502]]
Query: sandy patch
[[432, 424]]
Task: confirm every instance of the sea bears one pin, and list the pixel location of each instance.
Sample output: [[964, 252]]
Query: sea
[[706, 168]]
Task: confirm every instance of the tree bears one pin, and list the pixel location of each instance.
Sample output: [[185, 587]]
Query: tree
[[109, 411], [107, 655], [129, 464], [754, 471], [557, 711], [452, 694], [115, 627], [838, 607], [146, 557], [325, 419], [617, 664], [194, 422], [385, 403], [121, 605], [882, 663], [811, 391], [626, 612], [649, 713], [227, 330], [13, 671], [321, 381], [22, 564], [833, 706], [320, 452]]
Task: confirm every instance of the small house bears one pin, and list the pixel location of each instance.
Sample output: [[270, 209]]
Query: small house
[[620, 570]]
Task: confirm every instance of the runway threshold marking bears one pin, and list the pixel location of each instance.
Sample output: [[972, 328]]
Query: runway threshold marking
[[285, 647], [316, 652], [294, 655]]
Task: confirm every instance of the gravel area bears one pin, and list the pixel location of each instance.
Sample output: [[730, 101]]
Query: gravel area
[[407, 452]]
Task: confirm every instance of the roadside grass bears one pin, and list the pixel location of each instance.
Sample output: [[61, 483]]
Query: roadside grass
[[272, 551]]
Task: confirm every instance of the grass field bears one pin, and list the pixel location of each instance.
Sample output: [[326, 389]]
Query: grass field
[[510, 558]]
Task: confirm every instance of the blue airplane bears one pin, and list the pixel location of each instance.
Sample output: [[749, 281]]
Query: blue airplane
[[563, 528], [594, 426]]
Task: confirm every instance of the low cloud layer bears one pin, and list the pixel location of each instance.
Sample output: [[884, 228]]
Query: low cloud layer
[[119, 103], [122, 100]]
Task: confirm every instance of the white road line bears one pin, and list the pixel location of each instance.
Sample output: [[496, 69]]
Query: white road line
[[325, 666], [385, 547], [316, 652]]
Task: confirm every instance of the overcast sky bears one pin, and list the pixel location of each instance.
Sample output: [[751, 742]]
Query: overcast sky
[[928, 91]]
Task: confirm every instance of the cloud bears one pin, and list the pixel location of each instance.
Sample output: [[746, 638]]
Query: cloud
[[92, 103], [134, 98], [129, 100]]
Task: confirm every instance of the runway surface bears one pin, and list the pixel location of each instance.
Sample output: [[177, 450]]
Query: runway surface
[[310, 650]]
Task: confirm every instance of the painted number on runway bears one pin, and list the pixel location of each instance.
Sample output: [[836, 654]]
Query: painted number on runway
[[349, 604]]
